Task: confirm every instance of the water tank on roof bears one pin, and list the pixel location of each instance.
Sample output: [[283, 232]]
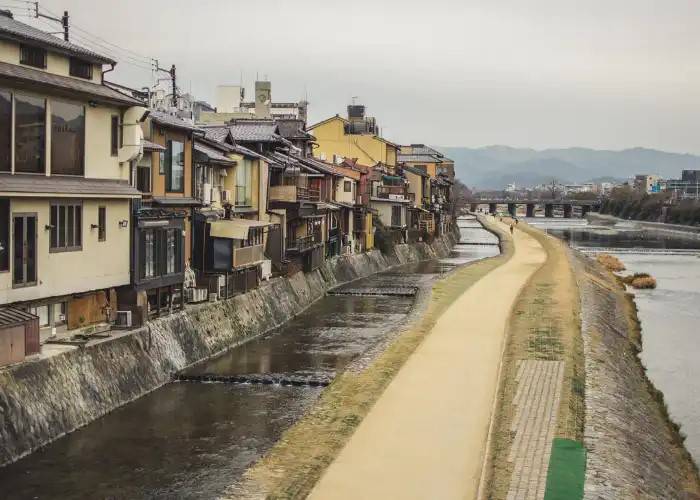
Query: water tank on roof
[[356, 111]]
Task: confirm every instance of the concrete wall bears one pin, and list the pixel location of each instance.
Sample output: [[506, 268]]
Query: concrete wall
[[332, 140], [100, 264], [42, 400], [383, 209]]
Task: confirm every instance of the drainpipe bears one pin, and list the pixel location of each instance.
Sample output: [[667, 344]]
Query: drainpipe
[[110, 69]]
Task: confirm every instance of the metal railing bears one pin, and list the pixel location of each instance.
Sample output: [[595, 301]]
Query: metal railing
[[305, 242]]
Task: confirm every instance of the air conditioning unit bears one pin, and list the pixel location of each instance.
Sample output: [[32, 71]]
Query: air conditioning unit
[[206, 194], [123, 319], [196, 294], [266, 269], [227, 195]]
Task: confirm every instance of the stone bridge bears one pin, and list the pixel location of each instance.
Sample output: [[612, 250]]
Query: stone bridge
[[530, 205]]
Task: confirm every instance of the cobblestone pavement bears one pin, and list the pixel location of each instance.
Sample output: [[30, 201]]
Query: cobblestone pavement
[[536, 405]]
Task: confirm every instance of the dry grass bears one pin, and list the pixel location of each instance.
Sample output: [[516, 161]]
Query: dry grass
[[544, 324], [640, 280], [296, 462], [610, 262]]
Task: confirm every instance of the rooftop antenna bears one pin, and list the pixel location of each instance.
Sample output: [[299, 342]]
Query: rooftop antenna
[[353, 99]]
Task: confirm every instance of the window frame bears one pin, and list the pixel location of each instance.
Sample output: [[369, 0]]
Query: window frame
[[347, 186], [53, 142], [15, 125], [102, 223], [169, 166], [78, 222], [25, 62], [5, 223], [10, 132], [114, 135], [76, 64]]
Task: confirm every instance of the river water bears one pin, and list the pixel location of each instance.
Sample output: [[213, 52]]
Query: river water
[[669, 314], [194, 439]]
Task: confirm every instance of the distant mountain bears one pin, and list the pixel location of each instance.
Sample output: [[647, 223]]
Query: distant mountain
[[493, 167]]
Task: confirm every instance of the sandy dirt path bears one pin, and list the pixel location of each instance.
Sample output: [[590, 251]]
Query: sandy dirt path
[[425, 438]]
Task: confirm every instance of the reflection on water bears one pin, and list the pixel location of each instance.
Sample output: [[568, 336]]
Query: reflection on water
[[192, 440], [669, 314]]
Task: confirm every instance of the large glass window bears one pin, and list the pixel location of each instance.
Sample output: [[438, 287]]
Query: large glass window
[[161, 252], [4, 234], [244, 184], [66, 227], [67, 138], [5, 130], [175, 180], [30, 134]]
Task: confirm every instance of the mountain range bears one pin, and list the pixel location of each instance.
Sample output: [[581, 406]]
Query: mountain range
[[494, 167]]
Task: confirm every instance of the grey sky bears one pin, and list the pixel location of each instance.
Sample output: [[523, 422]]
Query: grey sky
[[542, 73]]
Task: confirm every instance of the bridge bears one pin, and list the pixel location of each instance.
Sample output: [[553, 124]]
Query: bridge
[[530, 206]]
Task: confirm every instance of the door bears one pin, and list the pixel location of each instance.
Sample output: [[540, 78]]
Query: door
[[24, 249]]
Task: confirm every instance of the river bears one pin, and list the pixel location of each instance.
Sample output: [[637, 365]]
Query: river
[[669, 314], [194, 439]]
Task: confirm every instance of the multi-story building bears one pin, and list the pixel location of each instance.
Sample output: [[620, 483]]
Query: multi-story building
[[66, 144], [427, 159], [647, 183], [420, 215]]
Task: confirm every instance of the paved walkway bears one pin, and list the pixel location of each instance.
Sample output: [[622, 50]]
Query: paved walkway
[[425, 437]]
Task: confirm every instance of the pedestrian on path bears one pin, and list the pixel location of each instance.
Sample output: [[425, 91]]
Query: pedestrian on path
[[511, 228]]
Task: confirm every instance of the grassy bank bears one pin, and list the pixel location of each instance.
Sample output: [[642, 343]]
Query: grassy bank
[[544, 325], [294, 465]]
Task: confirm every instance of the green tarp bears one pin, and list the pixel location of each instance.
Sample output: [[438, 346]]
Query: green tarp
[[567, 470]]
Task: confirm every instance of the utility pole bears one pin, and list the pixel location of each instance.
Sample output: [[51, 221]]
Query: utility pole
[[63, 20]]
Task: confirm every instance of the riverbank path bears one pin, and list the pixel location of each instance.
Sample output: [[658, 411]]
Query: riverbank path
[[426, 436]]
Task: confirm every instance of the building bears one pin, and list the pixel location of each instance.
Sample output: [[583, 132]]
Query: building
[[66, 145], [356, 137], [428, 159], [647, 183], [685, 188], [421, 218]]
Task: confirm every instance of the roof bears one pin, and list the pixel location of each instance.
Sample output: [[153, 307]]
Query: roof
[[33, 77], [416, 171], [236, 229], [36, 185], [292, 129], [254, 132], [151, 146], [168, 120], [323, 122], [212, 154], [422, 149], [10, 316], [418, 158], [216, 133], [11, 29]]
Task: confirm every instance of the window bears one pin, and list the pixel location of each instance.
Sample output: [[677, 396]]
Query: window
[[30, 134], [396, 215], [244, 184], [143, 173], [161, 163], [66, 227], [4, 234], [101, 223], [175, 163], [5, 130], [161, 252], [80, 68], [32, 56], [255, 237], [114, 138], [347, 186], [67, 138]]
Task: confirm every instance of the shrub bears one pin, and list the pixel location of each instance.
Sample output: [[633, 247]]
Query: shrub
[[610, 262], [640, 280]]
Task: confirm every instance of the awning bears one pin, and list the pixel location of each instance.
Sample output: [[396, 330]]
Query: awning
[[326, 206], [236, 229]]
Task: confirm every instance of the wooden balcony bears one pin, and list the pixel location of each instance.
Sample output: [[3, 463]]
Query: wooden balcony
[[247, 255], [294, 194], [393, 192], [305, 243]]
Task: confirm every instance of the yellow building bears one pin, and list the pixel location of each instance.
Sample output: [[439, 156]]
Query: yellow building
[[66, 141], [427, 159], [355, 137]]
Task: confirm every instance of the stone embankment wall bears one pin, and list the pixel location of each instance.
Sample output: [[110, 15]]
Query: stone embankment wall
[[634, 451], [45, 399]]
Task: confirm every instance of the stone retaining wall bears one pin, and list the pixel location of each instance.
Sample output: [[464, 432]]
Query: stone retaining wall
[[42, 400], [633, 449]]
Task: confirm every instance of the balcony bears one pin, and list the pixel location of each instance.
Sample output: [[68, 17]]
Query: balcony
[[393, 192], [247, 255], [294, 194], [305, 243]]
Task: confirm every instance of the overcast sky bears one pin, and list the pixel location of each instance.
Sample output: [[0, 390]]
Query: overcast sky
[[543, 73]]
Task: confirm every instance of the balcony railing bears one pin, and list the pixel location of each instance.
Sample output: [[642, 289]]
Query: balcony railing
[[247, 255], [294, 194], [392, 192], [305, 242], [143, 179]]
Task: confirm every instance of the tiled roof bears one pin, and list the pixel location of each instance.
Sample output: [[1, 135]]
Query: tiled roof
[[254, 132], [168, 120], [212, 154], [14, 316], [151, 146], [34, 77], [216, 134], [292, 129], [416, 171], [42, 184], [417, 158], [11, 29]]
